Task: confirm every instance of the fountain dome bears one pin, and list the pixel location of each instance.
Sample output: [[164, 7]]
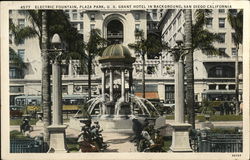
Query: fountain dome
[[116, 52]]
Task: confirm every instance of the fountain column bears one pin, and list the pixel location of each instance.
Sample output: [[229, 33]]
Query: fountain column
[[111, 89], [123, 85], [103, 90], [180, 135], [179, 90], [57, 129], [130, 80]]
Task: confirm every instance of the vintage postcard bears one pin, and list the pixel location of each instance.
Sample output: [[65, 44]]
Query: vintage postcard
[[125, 79]]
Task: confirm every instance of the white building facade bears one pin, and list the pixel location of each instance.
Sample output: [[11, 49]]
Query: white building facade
[[118, 26], [214, 75]]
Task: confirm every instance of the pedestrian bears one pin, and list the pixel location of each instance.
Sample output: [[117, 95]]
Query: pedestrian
[[137, 128]]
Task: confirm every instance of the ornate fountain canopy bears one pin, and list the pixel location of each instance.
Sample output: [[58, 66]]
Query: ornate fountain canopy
[[116, 55]]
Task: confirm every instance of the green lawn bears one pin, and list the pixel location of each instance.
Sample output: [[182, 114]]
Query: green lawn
[[201, 118], [19, 121]]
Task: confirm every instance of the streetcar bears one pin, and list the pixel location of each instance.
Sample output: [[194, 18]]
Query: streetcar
[[71, 103]]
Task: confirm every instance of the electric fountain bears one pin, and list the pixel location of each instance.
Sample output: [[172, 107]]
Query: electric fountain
[[117, 105]]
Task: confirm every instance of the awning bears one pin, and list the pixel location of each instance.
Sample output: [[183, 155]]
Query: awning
[[148, 95], [151, 91]]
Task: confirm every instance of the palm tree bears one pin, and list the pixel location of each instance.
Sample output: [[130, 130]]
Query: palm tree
[[235, 18], [189, 68], [46, 102], [94, 47], [143, 46], [44, 25], [201, 39]]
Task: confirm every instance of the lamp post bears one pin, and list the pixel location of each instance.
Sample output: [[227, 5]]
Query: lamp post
[[57, 129], [180, 136]]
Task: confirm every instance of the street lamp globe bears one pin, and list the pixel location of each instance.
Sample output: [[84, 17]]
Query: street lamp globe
[[179, 39], [56, 41]]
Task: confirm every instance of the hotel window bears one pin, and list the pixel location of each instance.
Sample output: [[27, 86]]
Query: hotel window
[[218, 71], [231, 87], [21, 23], [137, 27], [21, 53], [169, 92], [81, 26], [233, 35], [66, 12], [81, 15], [22, 41], [92, 26], [74, 14], [222, 37], [234, 52], [222, 87], [137, 16], [15, 73], [221, 10], [154, 14], [92, 17], [209, 22], [221, 72], [212, 87], [222, 51], [16, 89], [221, 22], [64, 89], [150, 70]]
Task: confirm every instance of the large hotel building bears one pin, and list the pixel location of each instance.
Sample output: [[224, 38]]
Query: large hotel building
[[214, 75]]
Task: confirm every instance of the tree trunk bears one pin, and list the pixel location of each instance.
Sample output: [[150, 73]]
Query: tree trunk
[[46, 102], [89, 74], [237, 81], [189, 68], [143, 75]]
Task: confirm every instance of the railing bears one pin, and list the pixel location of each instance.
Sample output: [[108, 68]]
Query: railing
[[115, 35], [214, 142], [28, 146]]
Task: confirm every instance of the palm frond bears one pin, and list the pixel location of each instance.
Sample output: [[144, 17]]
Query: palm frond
[[22, 33], [35, 17], [235, 19], [96, 43], [201, 17]]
